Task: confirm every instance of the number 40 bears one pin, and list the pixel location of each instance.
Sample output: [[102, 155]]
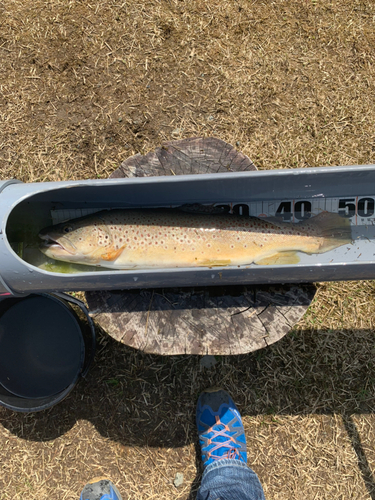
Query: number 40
[[302, 210]]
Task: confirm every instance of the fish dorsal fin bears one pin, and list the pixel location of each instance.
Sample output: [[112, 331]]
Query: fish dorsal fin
[[276, 221], [199, 209]]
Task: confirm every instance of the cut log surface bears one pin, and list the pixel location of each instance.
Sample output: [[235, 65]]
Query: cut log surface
[[188, 156], [209, 320], [204, 320]]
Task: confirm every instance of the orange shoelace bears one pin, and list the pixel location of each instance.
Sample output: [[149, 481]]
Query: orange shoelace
[[232, 450]]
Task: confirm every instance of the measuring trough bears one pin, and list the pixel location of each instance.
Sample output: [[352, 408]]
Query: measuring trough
[[218, 310], [293, 195]]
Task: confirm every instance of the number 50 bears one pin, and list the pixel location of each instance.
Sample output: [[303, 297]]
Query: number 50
[[365, 207]]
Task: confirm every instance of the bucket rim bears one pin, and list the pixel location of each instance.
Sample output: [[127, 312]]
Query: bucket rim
[[13, 401]]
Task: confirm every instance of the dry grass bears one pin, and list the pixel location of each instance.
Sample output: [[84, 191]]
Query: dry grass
[[307, 402], [86, 84], [83, 85]]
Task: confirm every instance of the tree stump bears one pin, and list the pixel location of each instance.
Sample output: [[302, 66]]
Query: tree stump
[[200, 320]]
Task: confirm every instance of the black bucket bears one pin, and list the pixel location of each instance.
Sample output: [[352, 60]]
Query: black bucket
[[45, 347]]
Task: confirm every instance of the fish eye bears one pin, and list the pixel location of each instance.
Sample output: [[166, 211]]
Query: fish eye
[[67, 229]]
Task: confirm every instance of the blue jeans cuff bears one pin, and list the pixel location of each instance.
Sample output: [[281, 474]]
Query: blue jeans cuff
[[230, 479], [224, 463]]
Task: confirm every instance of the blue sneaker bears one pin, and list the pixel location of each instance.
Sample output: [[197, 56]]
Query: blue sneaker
[[220, 428], [100, 489]]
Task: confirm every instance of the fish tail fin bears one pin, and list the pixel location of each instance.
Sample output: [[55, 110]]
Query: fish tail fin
[[333, 228]]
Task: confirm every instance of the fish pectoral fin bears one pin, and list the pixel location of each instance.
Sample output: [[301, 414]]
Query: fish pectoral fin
[[112, 254], [214, 262], [278, 258]]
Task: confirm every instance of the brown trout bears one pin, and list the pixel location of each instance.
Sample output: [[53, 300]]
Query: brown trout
[[168, 238]]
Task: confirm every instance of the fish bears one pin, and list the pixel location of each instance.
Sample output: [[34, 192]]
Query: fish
[[172, 238]]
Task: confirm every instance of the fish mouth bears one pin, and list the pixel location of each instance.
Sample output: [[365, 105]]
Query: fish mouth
[[49, 243]]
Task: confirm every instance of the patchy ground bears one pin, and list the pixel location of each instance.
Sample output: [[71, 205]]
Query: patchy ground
[[83, 85]]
